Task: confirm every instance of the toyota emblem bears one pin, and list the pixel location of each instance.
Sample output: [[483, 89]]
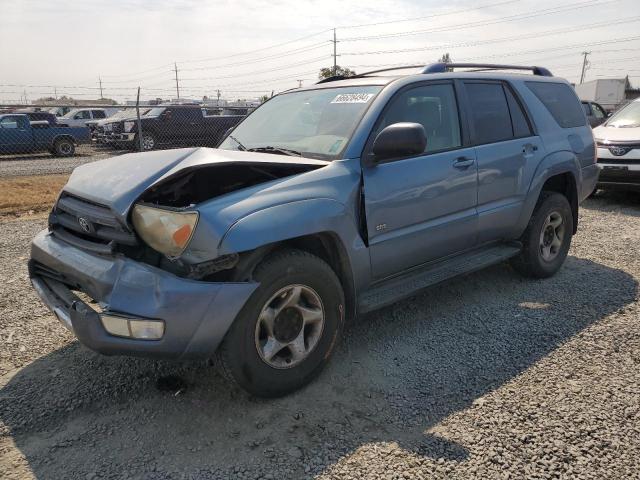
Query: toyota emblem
[[84, 224], [618, 151]]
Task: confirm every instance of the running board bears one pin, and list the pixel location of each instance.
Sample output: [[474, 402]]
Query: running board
[[407, 284]]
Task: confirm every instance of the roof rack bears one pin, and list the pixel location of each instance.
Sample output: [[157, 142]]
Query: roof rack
[[446, 67]]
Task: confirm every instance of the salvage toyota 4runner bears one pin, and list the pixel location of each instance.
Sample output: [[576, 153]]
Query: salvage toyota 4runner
[[325, 202]]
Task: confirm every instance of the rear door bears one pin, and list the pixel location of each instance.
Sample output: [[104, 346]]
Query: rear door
[[507, 150], [423, 207]]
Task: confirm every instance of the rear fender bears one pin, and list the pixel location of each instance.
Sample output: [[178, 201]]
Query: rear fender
[[557, 163]]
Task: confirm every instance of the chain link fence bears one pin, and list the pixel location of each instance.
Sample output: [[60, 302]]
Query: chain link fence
[[67, 130]]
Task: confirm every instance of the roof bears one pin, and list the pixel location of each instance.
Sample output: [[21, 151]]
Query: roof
[[436, 71]]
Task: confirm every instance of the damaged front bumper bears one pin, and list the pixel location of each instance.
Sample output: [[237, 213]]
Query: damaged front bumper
[[196, 314]]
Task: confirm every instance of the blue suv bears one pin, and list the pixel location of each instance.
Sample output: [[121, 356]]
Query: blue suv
[[325, 202]]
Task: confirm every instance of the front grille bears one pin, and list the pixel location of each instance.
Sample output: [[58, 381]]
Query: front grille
[[88, 225]]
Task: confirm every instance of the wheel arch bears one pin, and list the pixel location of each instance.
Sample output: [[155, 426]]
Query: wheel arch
[[63, 136], [559, 172], [321, 227]]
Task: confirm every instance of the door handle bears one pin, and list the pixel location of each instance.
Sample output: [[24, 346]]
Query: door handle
[[529, 148], [463, 163]]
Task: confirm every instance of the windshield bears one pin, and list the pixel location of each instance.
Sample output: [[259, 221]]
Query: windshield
[[312, 123], [154, 112], [626, 117], [71, 113]]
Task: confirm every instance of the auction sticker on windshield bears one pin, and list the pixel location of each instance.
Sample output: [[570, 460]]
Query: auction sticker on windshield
[[353, 98]]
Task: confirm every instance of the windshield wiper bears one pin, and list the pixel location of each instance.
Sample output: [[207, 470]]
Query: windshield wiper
[[241, 147], [276, 150]]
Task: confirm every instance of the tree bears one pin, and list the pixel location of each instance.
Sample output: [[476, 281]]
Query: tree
[[446, 58], [340, 71], [264, 98]]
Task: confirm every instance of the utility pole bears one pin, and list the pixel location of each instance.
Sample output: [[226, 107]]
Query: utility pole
[[55, 93], [100, 84], [585, 65], [335, 54], [218, 100], [175, 65], [25, 97], [299, 83]]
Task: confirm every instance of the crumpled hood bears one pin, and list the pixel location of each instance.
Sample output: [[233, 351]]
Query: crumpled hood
[[119, 181]]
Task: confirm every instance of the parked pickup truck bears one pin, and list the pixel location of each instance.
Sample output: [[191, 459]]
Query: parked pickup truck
[[103, 132], [325, 202], [174, 125], [19, 135]]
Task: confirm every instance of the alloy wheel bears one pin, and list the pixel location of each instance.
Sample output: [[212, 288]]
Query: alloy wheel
[[289, 326]]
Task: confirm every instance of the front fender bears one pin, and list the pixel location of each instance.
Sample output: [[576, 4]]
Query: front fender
[[297, 219], [557, 163]]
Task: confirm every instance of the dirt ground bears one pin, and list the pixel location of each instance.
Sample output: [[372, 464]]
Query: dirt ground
[[486, 376]]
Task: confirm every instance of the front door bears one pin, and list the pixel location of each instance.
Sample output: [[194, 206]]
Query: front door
[[422, 208], [15, 134]]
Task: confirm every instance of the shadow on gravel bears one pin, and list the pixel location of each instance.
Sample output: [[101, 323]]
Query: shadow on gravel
[[609, 201], [398, 373]]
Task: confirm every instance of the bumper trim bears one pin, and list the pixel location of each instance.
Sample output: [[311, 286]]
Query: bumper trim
[[196, 314]]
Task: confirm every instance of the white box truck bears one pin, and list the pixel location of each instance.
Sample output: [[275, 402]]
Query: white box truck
[[608, 92]]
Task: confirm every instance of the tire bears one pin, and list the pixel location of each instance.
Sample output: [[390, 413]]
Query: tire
[[547, 238], [148, 142], [246, 357], [64, 147]]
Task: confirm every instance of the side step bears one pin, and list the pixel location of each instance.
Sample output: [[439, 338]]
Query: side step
[[407, 284]]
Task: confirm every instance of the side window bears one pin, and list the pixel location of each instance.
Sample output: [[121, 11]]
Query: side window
[[561, 101], [98, 114], [434, 107], [489, 112], [598, 112], [82, 115], [9, 122], [521, 126]]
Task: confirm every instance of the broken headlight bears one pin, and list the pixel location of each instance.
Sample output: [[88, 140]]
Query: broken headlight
[[166, 231]]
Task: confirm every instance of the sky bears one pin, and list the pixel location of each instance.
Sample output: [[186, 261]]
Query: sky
[[248, 48]]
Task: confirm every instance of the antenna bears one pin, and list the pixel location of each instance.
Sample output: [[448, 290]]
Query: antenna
[[100, 84]]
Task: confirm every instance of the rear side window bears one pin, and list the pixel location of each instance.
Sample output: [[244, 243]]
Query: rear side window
[[521, 127], [98, 114], [489, 112], [561, 102]]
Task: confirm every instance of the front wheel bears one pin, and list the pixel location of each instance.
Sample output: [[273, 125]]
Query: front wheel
[[148, 142], [547, 239], [286, 332]]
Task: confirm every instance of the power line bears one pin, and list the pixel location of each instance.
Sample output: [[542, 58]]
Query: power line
[[502, 39], [483, 23], [426, 17]]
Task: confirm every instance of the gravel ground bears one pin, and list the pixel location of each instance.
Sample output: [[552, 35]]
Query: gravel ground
[[487, 376], [45, 164]]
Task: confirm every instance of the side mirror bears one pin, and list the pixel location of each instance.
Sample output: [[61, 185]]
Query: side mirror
[[399, 140]]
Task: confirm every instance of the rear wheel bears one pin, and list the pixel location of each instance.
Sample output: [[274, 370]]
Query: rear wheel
[[64, 147], [286, 332], [547, 239]]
